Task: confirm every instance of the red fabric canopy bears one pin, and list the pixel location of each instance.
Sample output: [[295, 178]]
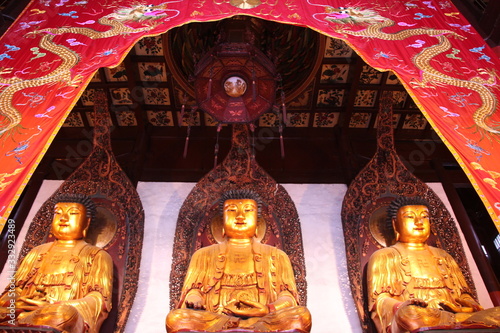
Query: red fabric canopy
[[52, 50]]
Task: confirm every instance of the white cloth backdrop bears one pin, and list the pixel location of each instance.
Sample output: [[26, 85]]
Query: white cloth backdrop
[[318, 205]]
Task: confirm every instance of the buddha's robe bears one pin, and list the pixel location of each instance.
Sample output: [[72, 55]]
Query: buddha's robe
[[273, 279], [391, 281], [83, 282]]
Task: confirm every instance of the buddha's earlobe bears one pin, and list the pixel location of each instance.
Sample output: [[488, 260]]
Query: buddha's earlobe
[[86, 228], [396, 233]]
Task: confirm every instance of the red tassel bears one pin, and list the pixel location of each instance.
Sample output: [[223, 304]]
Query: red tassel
[[252, 129], [254, 84], [282, 144], [186, 143], [216, 154], [183, 108], [283, 106], [209, 92], [216, 150]]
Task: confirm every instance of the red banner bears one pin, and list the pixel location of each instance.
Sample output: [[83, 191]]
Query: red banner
[[52, 50]]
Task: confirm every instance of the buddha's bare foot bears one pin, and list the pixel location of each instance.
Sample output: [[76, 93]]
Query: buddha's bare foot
[[488, 317], [62, 317]]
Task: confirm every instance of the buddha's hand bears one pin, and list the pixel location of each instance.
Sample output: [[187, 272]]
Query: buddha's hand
[[461, 306], [470, 303], [415, 301], [403, 305], [195, 302], [414, 314], [30, 304], [246, 308]]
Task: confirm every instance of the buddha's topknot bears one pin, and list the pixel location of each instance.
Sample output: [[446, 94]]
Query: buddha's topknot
[[392, 209], [240, 194], [83, 199]]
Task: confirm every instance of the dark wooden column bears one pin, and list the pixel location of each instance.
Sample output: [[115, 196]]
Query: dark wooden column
[[487, 273]]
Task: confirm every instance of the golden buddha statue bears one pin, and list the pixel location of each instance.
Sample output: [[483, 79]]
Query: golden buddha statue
[[413, 285], [240, 283], [65, 284]]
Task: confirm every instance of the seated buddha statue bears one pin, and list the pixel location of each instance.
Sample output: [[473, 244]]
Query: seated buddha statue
[[240, 283], [65, 284], [413, 285]]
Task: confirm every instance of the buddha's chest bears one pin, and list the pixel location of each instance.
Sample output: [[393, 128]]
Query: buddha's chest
[[57, 262], [423, 265], [239, 261]]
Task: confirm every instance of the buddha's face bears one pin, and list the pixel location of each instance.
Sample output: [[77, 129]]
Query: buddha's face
[[70, 221], [240, 218], [413, 224]]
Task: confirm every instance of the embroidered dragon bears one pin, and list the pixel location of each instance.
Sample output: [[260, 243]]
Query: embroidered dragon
[[10, 116], [430, 76]]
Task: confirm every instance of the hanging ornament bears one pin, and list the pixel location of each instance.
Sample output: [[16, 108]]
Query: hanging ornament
[[189, 119], [216, 149], [254, 85], [283, 107], [183, 109], [209, 92], [235, 82], [252, 129], [282, 95], [186, 142], [282, 143], [222, 78]]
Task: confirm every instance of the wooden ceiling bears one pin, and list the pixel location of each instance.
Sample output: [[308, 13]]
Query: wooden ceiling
[[331, 97]]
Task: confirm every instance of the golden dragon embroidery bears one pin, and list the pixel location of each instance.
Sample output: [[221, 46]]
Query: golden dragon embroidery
[[430, 76], [4, 176], [11, 116]]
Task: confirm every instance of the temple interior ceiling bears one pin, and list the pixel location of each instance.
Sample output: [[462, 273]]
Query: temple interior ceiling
[[331, 97]]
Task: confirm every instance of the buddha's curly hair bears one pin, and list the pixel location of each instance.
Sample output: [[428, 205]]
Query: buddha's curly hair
[[401, 201], [240, 194], [80, 198]]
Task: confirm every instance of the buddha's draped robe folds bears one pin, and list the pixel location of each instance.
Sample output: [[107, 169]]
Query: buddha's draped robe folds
[[272, 280], [83, 281], [391, 281]]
